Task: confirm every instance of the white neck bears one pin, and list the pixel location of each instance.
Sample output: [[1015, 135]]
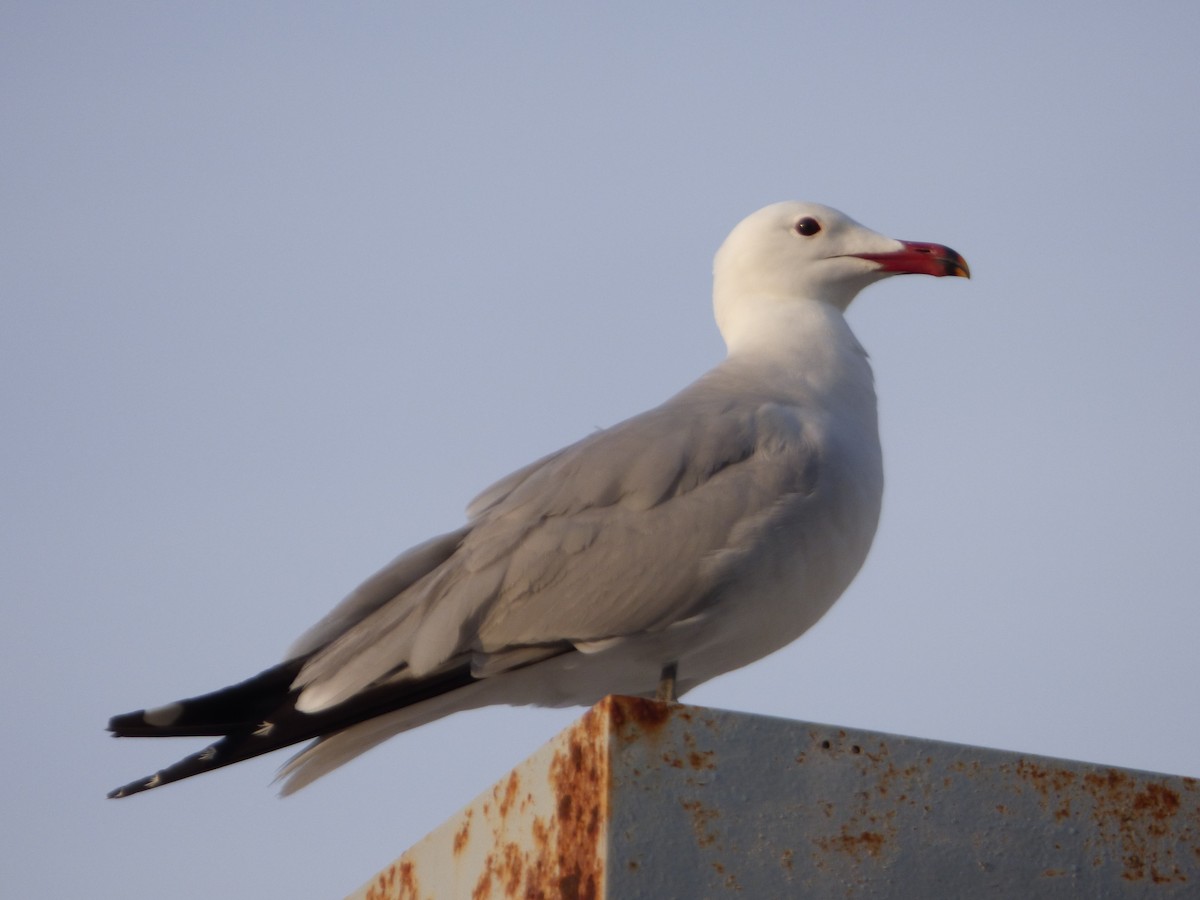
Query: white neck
[[806, 343]]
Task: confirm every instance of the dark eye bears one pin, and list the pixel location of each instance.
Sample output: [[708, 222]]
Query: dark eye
[[808, 226]]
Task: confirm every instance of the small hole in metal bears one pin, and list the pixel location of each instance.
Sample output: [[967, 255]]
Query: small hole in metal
[[825, 745]]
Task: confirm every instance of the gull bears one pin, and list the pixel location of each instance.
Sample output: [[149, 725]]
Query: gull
[[645, 559]]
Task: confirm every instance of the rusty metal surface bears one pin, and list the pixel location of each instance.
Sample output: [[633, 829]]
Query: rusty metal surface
[[538, 833], [643, 799], [710, 804]]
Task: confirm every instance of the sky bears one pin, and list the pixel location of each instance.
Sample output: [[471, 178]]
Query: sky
[[285, 285]]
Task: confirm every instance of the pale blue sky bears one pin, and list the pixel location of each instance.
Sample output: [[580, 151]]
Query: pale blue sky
[[284, 285]]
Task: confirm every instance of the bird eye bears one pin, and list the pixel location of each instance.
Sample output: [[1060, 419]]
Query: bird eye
[[808, 226]]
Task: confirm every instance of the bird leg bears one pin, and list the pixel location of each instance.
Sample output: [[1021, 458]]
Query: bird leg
[[666, 683]]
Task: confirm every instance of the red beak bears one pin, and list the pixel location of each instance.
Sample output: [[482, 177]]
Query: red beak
[[917, 258]]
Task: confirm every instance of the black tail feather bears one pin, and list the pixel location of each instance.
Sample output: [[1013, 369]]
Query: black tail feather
[[222, 712], [258, 716]]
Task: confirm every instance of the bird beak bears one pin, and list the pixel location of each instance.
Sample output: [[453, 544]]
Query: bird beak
[[917, 258]]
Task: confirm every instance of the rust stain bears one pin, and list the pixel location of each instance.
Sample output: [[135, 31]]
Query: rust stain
[[730, 880], [636, 718], [701, 759], [697, 759], [506, 797], [483, 887], [879, 755], [702, 818], [1050, 783], [463, 835], [904, 784], [868, 843], [556, 854], [569, 863], [514, 865], [1160, 804], [649, 716], [396, 882], [1138, 822], [864, 829], [1044, 778], [1144, 817]]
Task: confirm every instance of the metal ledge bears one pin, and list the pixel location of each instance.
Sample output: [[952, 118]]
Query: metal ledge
[[640, 799]]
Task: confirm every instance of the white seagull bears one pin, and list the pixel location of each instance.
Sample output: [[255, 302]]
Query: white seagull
[[645, 559]]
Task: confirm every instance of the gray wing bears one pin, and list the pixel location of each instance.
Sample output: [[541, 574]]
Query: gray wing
[[623, 532], [385, 585]]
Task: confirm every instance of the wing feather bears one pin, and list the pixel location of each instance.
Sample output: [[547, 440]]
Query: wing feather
[[613, 535]]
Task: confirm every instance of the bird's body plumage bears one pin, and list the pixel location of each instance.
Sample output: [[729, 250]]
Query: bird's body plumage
[[704, 533]]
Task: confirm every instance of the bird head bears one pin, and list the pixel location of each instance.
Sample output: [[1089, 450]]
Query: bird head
[[796, 251]]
